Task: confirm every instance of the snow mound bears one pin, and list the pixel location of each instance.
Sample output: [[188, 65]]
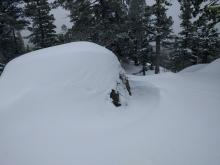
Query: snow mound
[[84, 65], [193, 68], [213, 68]]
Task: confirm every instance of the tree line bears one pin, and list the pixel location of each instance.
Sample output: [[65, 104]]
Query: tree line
[[127, 27]]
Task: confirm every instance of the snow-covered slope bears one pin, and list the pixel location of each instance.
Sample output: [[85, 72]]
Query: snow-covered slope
[[204, 68], [213, 69], [55, 109], [185, 128], [193, 68]]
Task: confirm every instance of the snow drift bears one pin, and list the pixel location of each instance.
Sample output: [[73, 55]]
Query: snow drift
[[49, 95], [212, 68], [55, 110], [82, 64], [193, 68]]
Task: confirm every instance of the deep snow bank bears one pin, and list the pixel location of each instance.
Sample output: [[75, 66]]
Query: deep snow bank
[[213, 68], [171, 119], [185, 128], [193, 68], [55, 106], [85, 64]]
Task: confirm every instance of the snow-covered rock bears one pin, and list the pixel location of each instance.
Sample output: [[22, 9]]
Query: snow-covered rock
[[82, 64], [54, 102]]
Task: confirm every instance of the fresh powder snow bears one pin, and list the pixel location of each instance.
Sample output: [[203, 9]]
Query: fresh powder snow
[[55, 110]]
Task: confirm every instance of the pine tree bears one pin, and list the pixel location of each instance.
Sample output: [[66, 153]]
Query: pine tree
[[11, 22], [199, 37], [187, 34], [81, 16], [215, 6], [109, 25], [136, 26], [139, 20], [43, 32], [206, 39], [62, 37], [161, 27], [20, 42], [100, 21], [186, 24], [176, 59]]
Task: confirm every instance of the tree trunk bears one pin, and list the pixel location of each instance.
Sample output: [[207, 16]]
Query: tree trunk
[[136, 61], [42, 44], [15, 41], [157, 59], [158, 37], [144, 71], [103, 9], [205, 58]]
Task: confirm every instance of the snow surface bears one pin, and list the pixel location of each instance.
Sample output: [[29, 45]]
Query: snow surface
[[54, 109], [193, 68], [131, 68]]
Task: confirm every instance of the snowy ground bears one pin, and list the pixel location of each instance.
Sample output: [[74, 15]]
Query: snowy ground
[[56, 111], [131, 69]]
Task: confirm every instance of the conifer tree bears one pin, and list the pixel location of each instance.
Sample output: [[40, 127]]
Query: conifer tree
[[176, 58], [215, 6], [43, 32], [136, 26], [11, 22], [62, 37], [81, 16], [187, 34], [186, 15], [100, 21], [206, 38], [162, 27], [139, 20], [199, 35]]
